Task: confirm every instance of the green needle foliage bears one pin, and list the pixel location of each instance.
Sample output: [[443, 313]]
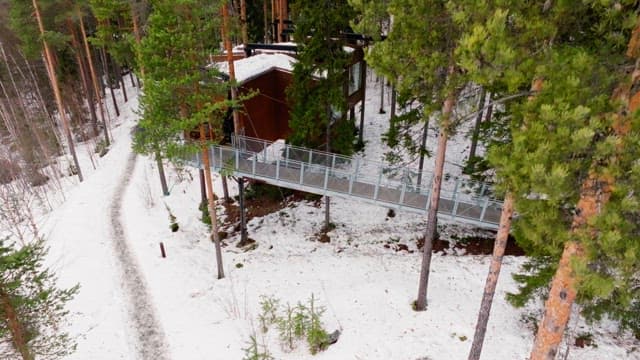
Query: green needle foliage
[[180, 91], [32, 308], [557, 138], [318, 75]]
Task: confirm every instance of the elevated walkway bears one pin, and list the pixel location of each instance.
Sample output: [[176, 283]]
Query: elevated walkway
[[335, 175]]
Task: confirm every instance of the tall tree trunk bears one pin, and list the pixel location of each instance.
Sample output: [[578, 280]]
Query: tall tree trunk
[[364, 89], [594, 194], [243, 21], [87, 52], [382, 86], [212, 204], [238, 127], [447, 110], [281, 16], [394, 98], [86, 86], [136, 33], [327, 199], [492, 278], [203, 187], [163, 178], [476, 127], [244, 238], [266, 22], [105, 66], [18, 335], [499, 247], [118, 72], [56, 91], [423, 150]]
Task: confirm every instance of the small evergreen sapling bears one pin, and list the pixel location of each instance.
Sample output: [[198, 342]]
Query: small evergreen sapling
[[269, 315], [32, 308], [317, 337], [254, 351]]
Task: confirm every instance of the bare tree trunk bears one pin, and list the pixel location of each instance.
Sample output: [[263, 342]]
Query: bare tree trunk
[[280, 23], [423, 150], [274, 27], [238, 127], [382, 86], [86, 86], [394, 99], [28, 110], [163, 178], [492, 278], [244, 238], [499, 247], [18, 336], [212, 204], [56, 91], [476, 127], [364, 89], [447, 109], [203, 188], [105, 66], [94, 77], [266, 22], [225, 189], [243, 21], [327, 199], [594, 194], [118, 72]]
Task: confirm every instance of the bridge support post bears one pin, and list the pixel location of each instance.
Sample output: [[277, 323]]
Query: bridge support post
[[455, 198], [377, 188], [244, 238], [484, 208]]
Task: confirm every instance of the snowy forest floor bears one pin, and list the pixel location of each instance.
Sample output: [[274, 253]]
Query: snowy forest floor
[[365, 284]]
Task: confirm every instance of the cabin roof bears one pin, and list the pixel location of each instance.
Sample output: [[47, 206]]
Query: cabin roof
[[249, 68]]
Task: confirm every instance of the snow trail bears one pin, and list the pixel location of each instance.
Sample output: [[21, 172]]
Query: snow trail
[[150, 339]]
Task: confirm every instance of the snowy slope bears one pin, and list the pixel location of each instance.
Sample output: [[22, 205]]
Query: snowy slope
[[366, 288]]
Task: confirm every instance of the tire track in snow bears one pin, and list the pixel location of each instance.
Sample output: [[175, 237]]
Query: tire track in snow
[[150, 339]]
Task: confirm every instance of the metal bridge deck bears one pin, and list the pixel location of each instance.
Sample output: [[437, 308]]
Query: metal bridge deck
[[349, 177]]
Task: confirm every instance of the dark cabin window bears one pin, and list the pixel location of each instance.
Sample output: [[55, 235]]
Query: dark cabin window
[[355, 78]]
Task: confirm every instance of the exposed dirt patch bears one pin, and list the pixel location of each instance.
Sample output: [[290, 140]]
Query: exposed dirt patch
[[260, 200], [476, 245]]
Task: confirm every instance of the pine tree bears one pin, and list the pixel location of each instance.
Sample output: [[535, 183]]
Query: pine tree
[[181, 95], [317, 92], [424, 35], [32, 308], [581, 60]]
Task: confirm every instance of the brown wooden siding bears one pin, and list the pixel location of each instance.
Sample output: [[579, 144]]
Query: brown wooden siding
[[266, 115]]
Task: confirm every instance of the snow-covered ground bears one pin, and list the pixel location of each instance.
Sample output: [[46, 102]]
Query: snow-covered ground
[[366, 288]]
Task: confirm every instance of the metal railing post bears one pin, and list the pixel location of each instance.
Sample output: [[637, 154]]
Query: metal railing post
[[278, 168], [376, 189], [484, 209], [286, 150], [404, 188], [301, 172], [350, 184], [253, 164], [237, 153], [264, 151], [455, 198], [326, 178], [310, 156], [333, 162]]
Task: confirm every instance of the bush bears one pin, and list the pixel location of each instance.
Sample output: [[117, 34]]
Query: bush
[[253, 351], [269, 315], [296, 323]]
